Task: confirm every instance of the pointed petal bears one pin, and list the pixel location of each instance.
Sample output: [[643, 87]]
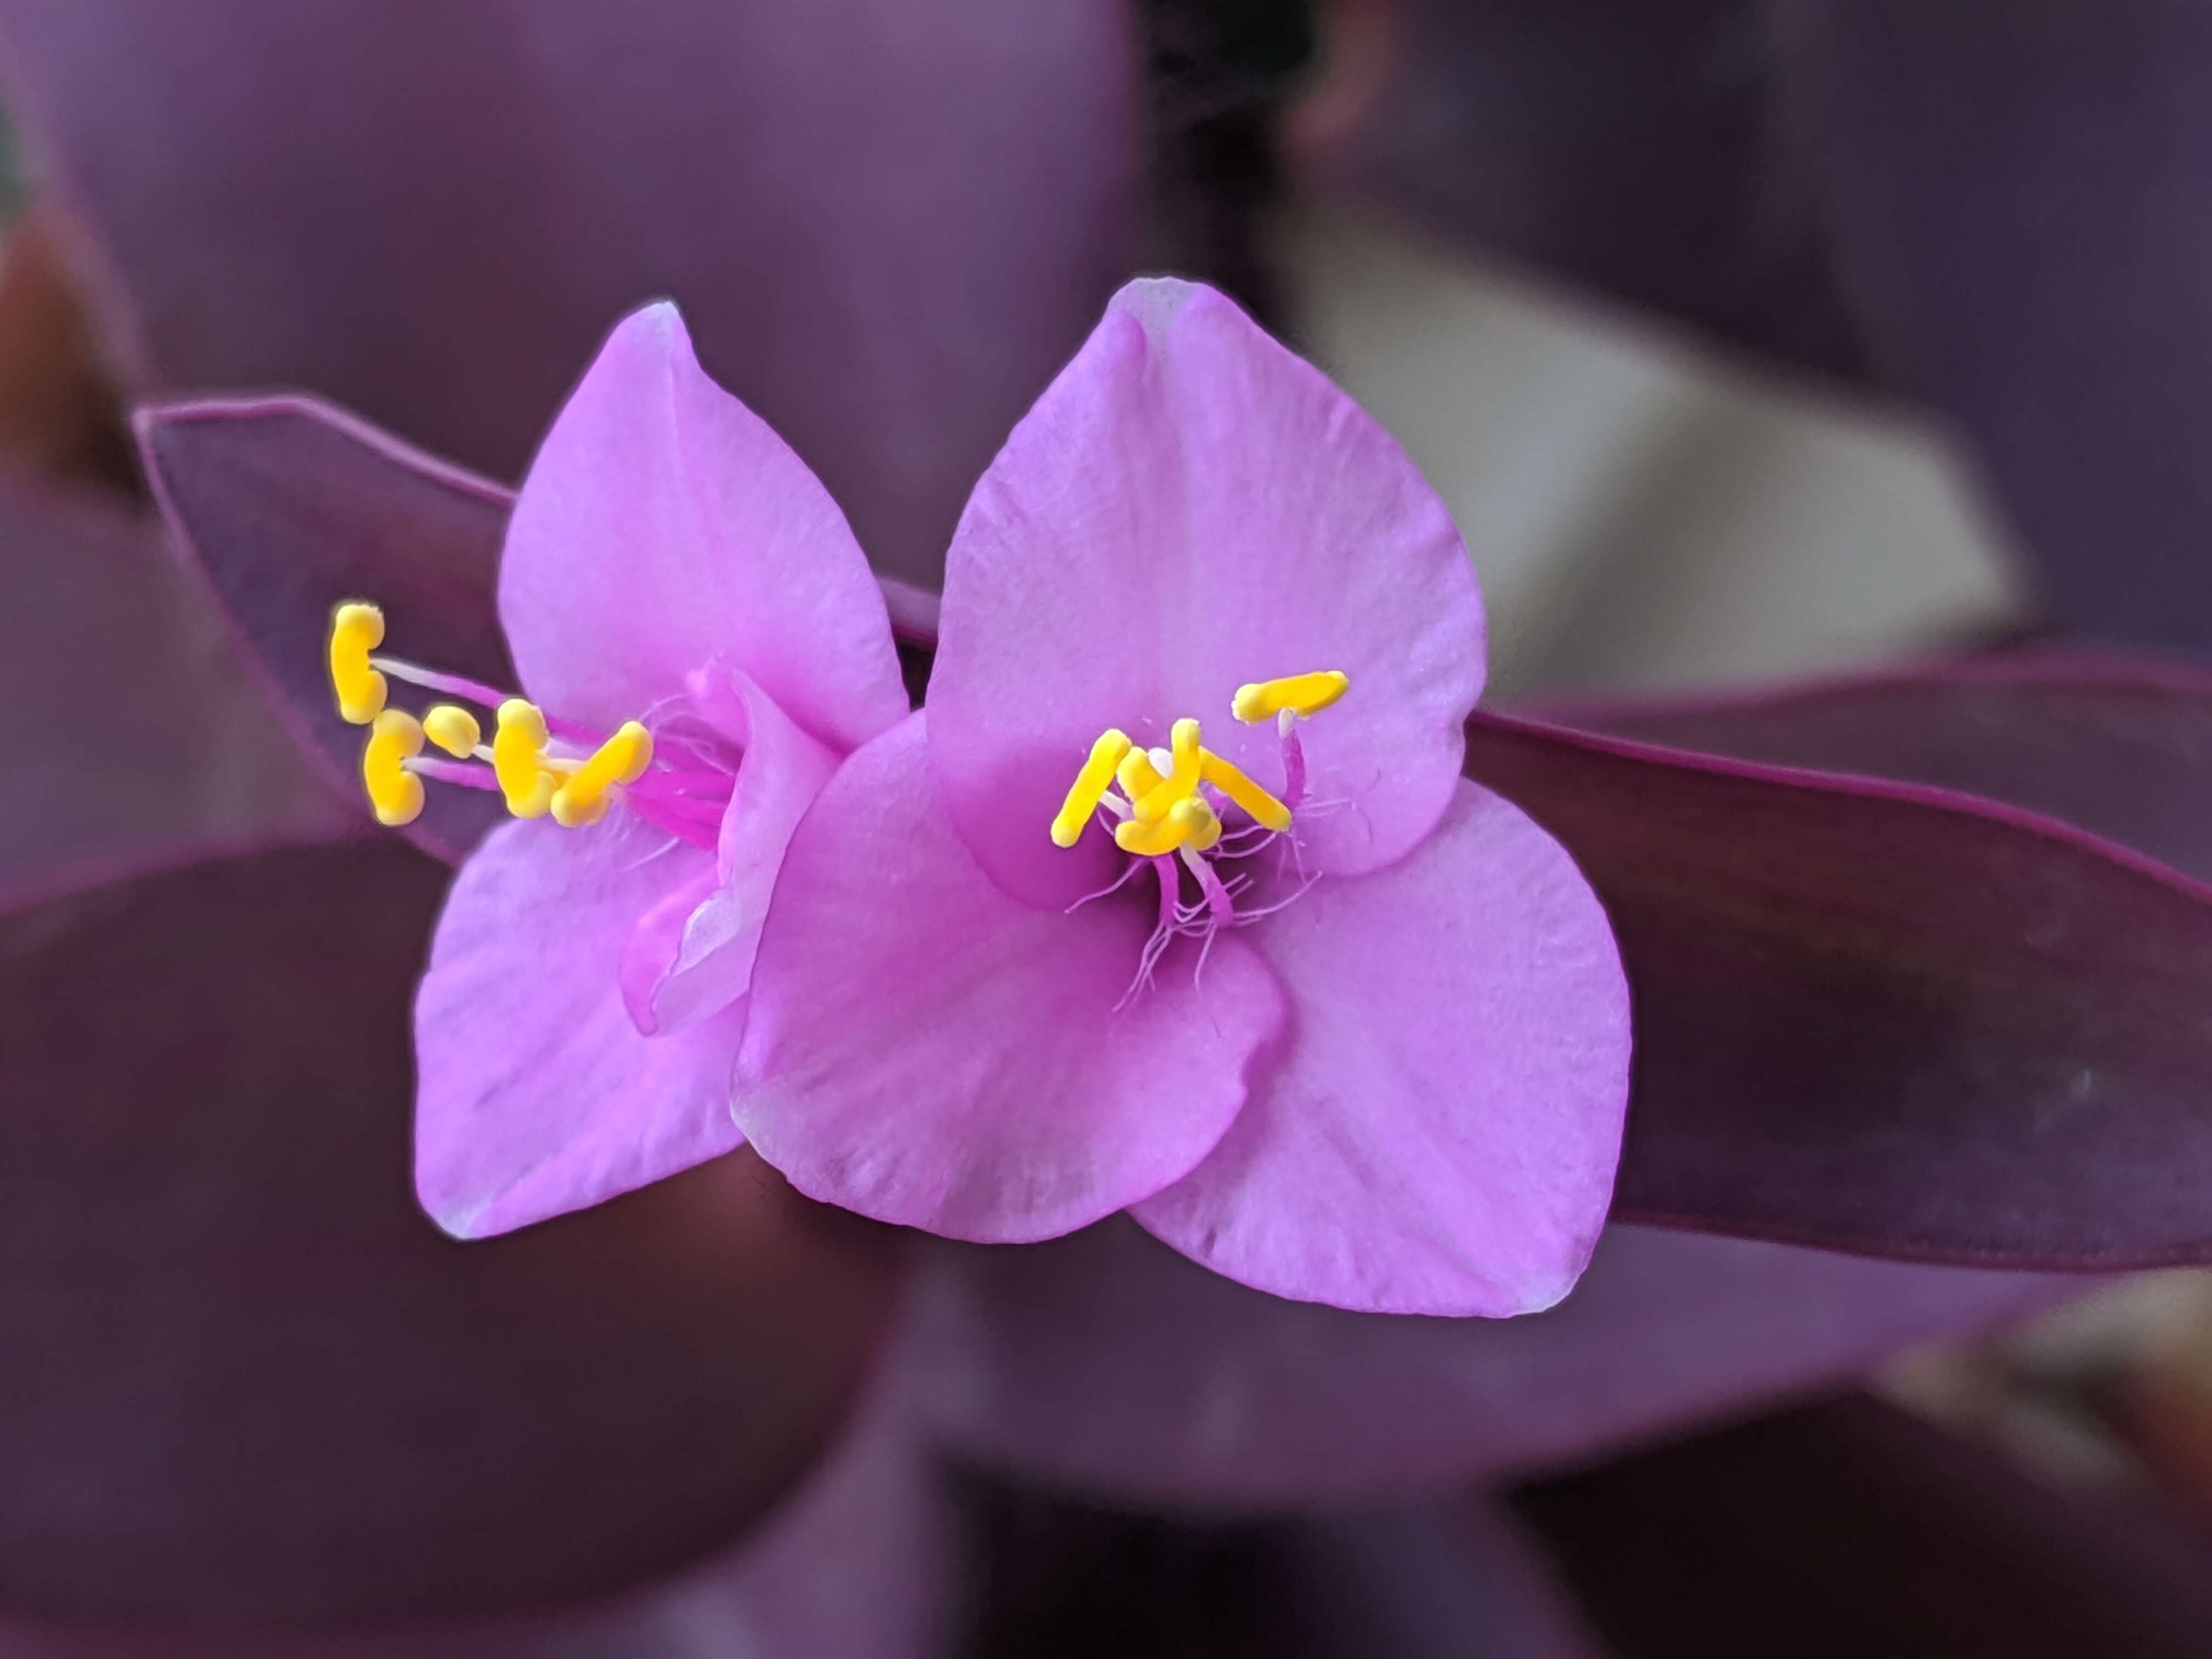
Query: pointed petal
[[925, 1050], [537, 1092], [782, 771], [262, 1389], [1109, 1362], [1440, 1134], [1888, 1017], [662, 525], [693, 955], [292, 506], [888, 224], [1190, 508]]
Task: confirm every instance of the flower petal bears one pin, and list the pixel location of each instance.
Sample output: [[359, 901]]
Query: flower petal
[[782, 771], [537, 1093], [692, 956], [1441, 1133], [662, 525], [1188, 507], [925, 1050], [1108, 1362]]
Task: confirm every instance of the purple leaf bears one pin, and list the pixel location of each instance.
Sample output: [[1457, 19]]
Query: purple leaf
[[2120, 748], [887, 224], [1848, 1529], [291, 507], [2021, 199], [1106, 1361], [1632, 149], [131, 729], [855, 1563], [1425, 1582], [1884, 1018], [247, 1380]]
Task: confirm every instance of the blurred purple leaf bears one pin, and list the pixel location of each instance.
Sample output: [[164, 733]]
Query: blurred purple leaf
[[1436, 1582], [1107, 1361], [1632, 149], [887, 225], [2021, 199], [1884, 1018], [247, 1380], [1849, 1529], [2003, 210], [132, 729], [291, 507], [856, 1563]]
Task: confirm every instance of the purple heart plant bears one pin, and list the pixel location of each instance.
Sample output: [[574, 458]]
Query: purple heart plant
[[1917, 958]]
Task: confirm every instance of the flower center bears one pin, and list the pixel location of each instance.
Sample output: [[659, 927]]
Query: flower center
[[544, 766], [1167, 806]]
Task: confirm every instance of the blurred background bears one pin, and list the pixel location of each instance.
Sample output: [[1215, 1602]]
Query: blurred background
[[1567, 255]]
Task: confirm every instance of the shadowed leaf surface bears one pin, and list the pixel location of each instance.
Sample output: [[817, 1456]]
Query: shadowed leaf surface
[[887, 224], [1107, 1363], [1884, 1019], [247, 1381], [1850, 1527], [132, 727]]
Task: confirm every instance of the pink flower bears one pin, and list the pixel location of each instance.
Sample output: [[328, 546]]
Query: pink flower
[[701, 642], [1342, 1025]]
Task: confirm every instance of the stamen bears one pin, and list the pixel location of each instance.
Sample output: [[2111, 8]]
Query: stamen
[[453, 729], [518, 757], [1189, 819], [1264, 808], [1090, 786], [1181, 782], [1136, 774], [1300, 694], [622, 758], [394, 738], [356, 630]]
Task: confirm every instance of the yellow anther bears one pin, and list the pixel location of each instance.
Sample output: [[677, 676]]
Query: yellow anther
[[356, 630], [1189, 820], [1136, 774], [394, 738], [1181, 782], [1300, 694], [1209, 835], [453, 729], [1090, 785], [1265, 809], [582, 798], [518, 759]]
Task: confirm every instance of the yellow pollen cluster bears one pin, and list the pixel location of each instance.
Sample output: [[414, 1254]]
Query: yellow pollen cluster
[[535, 783], [395, 737], [1302, 694], [357, 630], [1161, 811]]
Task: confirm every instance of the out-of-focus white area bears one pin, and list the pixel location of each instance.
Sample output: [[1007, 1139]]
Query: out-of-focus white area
[[1643, 515]]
